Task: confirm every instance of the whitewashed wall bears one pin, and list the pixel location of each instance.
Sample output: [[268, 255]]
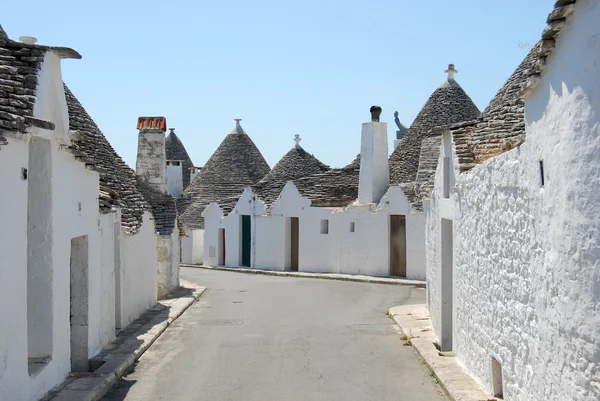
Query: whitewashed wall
[[436, 209], [72, 214], [527, 257], [109, 245], [138, 271], [270, 243], [366, 251], [211, 243], [14, 378], [167, 250], [192, 247]]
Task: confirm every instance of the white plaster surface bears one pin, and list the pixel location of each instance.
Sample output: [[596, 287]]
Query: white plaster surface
[[364, 251], [167, 249], [527, 258], [138, 271]]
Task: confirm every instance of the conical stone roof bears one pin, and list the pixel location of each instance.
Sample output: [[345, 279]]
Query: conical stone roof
[[449, 104], [237, 163], [118, 184], [297, 163], [176, 151], [335, 188]]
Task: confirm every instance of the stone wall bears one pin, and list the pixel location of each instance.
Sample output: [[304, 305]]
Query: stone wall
[[527, 243]]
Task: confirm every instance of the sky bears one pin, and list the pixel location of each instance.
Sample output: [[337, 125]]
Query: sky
[[312, 67]]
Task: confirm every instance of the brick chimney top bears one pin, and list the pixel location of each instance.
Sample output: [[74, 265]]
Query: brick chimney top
[[152, 123]]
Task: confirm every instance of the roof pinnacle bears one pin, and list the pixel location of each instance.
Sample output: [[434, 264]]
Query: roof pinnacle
[[451, 71], [297, 139]]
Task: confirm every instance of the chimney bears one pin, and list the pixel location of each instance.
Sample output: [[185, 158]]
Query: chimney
[[374, 178], [194, 172], [151, 158], [174, 178]]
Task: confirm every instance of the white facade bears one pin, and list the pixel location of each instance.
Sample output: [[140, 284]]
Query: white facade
[[526, 259], [192, 247], [38, 251], [340, 250], [70, 276]]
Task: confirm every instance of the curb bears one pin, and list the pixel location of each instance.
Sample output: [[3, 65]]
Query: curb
[[322, 276], [458, 385], [118, 361]]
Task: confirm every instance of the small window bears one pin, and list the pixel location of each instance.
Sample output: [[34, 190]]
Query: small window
[[542, 172], [324, 226], [352, 226]]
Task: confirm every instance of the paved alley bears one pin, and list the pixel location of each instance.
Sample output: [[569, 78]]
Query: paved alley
[[259, 338]]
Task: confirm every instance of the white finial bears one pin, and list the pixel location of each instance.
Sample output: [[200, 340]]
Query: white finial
[[451, 71], [297, 139], [29, 40]]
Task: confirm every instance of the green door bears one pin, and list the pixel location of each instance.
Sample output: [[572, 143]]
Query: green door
[[246, 237]]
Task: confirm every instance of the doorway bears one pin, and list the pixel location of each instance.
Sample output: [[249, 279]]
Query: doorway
[[294, 243], [397, 245], [447, 283], [221, 247], [246, 240], [79, 304]]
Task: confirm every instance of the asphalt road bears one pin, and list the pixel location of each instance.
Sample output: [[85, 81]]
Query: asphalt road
[[263, 338]]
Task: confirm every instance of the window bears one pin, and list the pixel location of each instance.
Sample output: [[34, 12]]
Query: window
[[352, 226], [324, 226], [542, 172]]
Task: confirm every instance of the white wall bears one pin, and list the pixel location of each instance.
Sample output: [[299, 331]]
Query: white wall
[[439, 208], [72, 215], [211, 242], [14, 379], [167, 249], [271, 242], [527, 258], [138, 271], [366, 251], [192, 247]]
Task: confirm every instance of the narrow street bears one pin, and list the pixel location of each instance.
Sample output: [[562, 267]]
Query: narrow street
[[259, 338]]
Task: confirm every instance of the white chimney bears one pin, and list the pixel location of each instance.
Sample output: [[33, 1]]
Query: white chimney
[[151, 161], [174, 178], [374, 178], [194, 172]]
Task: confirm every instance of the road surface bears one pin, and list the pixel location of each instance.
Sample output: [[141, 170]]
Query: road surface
[[262, 338]]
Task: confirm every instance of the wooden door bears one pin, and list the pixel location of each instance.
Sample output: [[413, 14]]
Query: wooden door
[[294, 245], [222, 253], [398, 245], [246, 239]]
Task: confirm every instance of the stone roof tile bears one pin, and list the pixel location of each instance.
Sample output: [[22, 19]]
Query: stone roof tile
[[236, 164], [448, 104], [335, 188], [296, 164], [90, 146]]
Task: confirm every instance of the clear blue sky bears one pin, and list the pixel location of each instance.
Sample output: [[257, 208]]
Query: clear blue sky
[[312, 67]]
